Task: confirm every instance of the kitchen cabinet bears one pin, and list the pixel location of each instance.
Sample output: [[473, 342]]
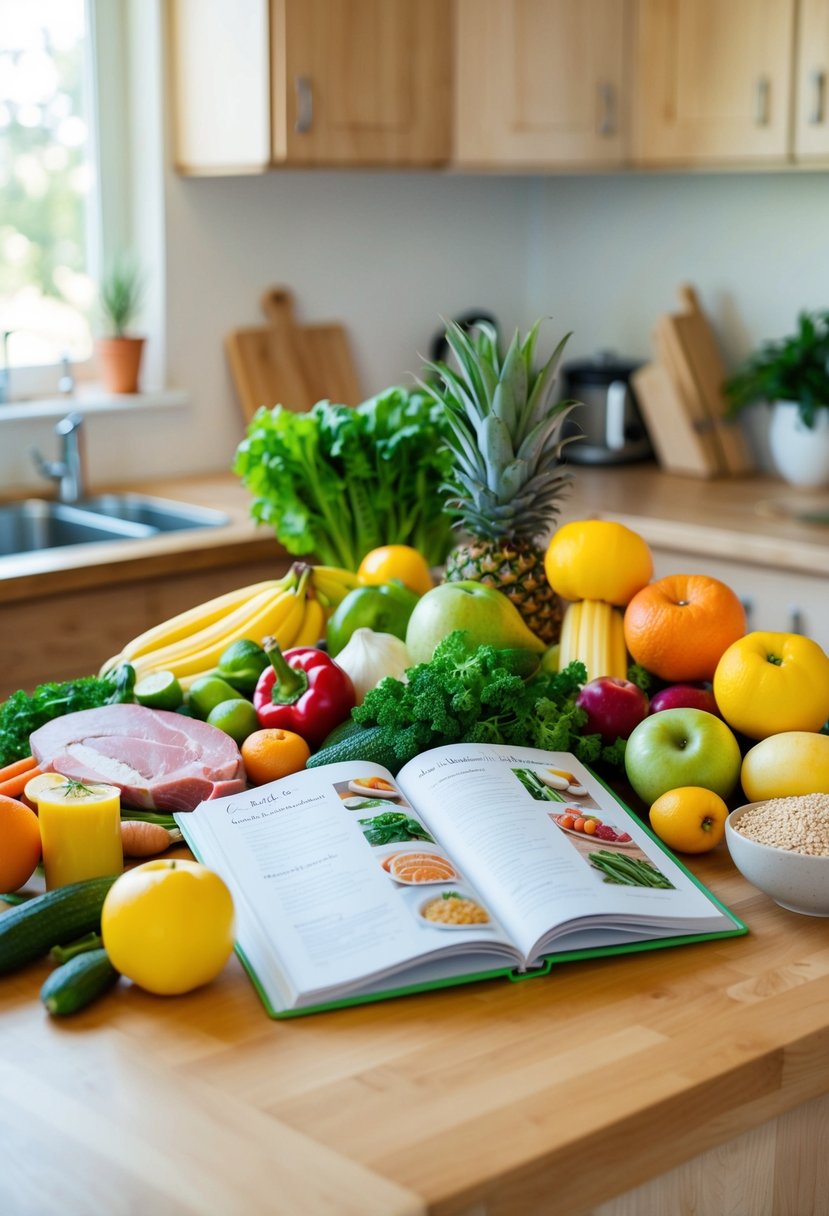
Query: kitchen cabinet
[[713, 81], [811, 99], [259, 84], [541, 83]]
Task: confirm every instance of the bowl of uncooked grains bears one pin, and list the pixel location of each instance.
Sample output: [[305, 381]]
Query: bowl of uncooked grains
[[782, 847]]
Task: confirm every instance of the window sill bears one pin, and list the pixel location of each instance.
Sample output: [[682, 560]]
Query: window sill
[[92, 399]]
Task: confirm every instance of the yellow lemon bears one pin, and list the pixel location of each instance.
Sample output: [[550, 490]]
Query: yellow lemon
[[598, 559], [767, 683], [781, 766], [689, 819], [396, 561]]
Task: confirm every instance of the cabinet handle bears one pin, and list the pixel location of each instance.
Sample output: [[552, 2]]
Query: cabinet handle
[[818, 82], [607, 109], [304, 105], [761, 101]]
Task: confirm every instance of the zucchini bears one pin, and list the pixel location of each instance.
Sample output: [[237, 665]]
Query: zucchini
[[364, 743], [76, 984], [30, 930]]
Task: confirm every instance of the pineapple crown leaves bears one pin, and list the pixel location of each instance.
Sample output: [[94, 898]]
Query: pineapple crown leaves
[[504, 432]]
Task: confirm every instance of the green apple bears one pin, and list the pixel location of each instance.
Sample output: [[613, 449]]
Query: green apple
[[485, 615], [677, 747]]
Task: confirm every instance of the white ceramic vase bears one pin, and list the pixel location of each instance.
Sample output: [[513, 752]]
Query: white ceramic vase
[[800, 452]]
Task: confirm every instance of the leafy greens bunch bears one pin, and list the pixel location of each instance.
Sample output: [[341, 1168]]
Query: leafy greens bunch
[[24, 712], [478, 697], [336, 482]]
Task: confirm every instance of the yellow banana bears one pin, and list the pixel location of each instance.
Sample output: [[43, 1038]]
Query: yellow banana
[[221, 632], [332, 584], [313, 624], [593, 633], [195, 619]]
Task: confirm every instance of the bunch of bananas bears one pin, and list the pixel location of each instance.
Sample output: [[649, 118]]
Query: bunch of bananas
[[293, 609], [593, 632]]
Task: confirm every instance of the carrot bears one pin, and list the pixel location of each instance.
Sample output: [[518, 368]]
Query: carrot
[[15, 777], [141, 839]]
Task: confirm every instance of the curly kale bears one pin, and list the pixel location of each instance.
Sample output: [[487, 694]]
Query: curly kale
[[479, 697], [23, 712]]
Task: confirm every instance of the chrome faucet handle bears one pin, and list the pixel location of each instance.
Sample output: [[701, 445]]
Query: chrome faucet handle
[[71, 422], [5, 370], [66, 383]]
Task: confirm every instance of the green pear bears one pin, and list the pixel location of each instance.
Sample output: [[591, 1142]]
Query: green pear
[[484, 614]]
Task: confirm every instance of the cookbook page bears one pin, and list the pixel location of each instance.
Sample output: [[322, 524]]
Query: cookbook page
[[342, 876], [515, 816]]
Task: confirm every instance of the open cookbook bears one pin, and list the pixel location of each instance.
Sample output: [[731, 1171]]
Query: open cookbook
[[474, 861]]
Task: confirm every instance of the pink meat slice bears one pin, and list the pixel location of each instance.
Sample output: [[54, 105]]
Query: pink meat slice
[[159, 760]]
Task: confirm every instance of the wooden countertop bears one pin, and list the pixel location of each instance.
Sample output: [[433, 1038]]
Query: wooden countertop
[[493, 1097], [749, 520]]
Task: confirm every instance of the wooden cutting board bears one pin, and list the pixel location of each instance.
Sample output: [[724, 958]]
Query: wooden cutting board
[[679, 445], [697, 348], [285, 363]]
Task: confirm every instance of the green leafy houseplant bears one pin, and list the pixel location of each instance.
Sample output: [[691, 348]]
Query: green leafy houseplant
[[794, 368], [119, 354]]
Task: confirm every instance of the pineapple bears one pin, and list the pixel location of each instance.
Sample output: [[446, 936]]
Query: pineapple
[[508, 481]]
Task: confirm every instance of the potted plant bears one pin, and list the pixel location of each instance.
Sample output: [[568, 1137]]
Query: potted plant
[[792, 375], [119, 353]]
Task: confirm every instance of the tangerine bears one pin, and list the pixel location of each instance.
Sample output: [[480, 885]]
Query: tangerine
[[20, 847], [272, 753], [679, 627], [597, 559], [690, 819], [396, 561]]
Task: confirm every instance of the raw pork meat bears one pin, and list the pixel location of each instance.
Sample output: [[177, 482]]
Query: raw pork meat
[[160, 760]]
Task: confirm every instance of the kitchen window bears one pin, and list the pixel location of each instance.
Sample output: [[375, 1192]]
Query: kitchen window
[[62, 98]]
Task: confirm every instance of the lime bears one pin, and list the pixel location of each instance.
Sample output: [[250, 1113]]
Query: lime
[[208, 691], [159, 690], [242, 664], [236, 717]]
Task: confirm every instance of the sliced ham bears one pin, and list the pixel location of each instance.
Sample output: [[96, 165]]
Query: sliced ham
[[159, 760]]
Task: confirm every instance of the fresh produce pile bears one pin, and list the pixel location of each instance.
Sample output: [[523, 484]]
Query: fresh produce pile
[[568, 645]]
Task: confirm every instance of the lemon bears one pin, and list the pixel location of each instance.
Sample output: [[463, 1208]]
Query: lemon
[[40, 784], [790, 763], [159, 690]]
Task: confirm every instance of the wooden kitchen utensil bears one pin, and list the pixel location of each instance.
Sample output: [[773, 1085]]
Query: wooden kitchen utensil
[[285, 363], [680, 447], [707, 371]]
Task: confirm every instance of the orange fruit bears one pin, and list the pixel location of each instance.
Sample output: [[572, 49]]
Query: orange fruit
[[19, 843], [689, 819], [773, 682], [396, 561], [679, 626], [597, 559], [273, 753]]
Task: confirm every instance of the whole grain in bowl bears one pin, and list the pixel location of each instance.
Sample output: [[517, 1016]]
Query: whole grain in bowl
[[799, 824]]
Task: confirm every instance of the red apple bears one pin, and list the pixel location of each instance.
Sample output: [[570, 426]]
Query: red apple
[[684, 696], [613, 706]]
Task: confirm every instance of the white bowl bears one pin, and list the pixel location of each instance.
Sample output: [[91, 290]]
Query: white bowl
[[795, 881]]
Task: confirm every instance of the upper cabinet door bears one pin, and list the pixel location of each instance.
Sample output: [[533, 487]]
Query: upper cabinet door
[[540, 82], [811, 123], [361, 81], [714, 80]]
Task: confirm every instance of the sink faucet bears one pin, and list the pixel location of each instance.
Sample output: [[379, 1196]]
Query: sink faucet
[[69, 472], [5, 372]]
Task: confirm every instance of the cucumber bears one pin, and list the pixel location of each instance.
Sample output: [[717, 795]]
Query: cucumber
[[364, 743], [30, 930], [76, 984]]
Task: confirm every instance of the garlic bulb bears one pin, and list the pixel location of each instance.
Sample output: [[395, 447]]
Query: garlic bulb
[[369, 656]]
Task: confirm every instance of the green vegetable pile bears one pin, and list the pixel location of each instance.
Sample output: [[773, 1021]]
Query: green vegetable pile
[[24, 712], [336, 482], [393, 827], [480, 697]]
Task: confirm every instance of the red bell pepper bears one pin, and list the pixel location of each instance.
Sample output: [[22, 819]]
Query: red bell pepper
[[303, 690]]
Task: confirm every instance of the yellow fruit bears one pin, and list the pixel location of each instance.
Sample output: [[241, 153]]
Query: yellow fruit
[[689, 819], [767, 683], [598, 559], [784, 765], [396, 561], [167, 925]]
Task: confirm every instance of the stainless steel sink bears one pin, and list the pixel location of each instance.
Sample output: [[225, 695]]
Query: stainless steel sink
[[37, 524], [159, 513]]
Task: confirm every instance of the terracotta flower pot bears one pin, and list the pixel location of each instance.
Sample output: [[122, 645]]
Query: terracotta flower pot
[[119, 360]]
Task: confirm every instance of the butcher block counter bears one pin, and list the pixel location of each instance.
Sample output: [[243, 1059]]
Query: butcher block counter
[[693, 1079], [70, 609]]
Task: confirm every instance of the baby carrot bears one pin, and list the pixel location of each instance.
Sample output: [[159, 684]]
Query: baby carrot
[[15, 777]]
